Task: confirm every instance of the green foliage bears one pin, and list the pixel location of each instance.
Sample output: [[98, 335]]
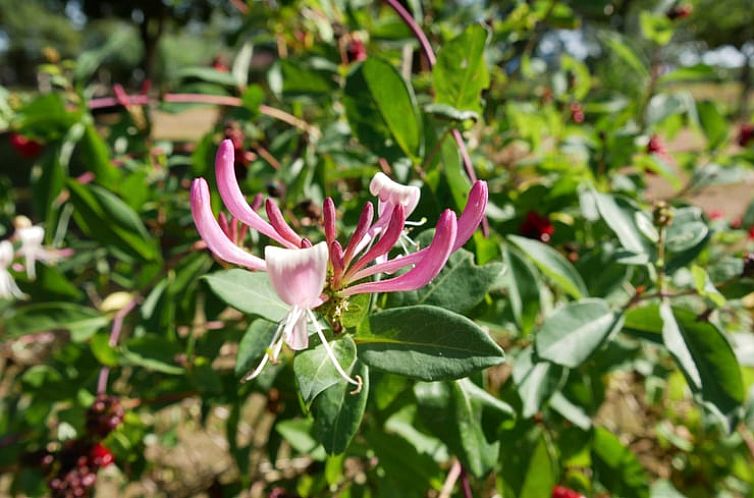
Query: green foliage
[[622, 299]]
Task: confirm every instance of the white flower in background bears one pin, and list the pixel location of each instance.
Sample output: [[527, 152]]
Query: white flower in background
[[8, 287], [32, 250]]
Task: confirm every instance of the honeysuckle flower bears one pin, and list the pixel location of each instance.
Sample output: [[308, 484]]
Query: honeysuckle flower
[[304, 275], [8, 287], [298, 277], [32, 250]]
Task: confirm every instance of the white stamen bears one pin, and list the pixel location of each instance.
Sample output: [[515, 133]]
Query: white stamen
[[358, 382]]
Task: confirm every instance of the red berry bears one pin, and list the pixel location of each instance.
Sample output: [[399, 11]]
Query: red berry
[[536, 226], [655, 145], [679, 12], [563, 492], [100, 456], [745, 134], [356, 51], [25, 146], [577, 113]]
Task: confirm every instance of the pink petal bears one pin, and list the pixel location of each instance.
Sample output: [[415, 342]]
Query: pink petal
[[435, 257], [329, 215], [298, 275], [362, 227], [386, 242], [391, 192], [298, 339], [210, 231], [472, 215], [234, 199], [279, 224]]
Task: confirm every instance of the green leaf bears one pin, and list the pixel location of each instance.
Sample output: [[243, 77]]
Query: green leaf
[[298, 434], [314, 369], [656, 27], [712, 122], [575, 331], [644, 322], [81, 321], [536, 380], [396, 101], [252, 98], [705, 287], [153, 353], [705, 357], [523, 291], [105, 354], [552, 264], [253, 344], [541, 473], [338, 412], [249, 292], [617, 468], [96, 158], [357, 310], [456, 413], [449, 112], [207, 74], [426, 343], [106, 218], [461, 73], [459, 287], [380, 105], [623, 218]]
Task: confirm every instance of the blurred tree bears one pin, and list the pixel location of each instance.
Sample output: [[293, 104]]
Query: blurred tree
[[718, 23], [151, 17], [30, 26]]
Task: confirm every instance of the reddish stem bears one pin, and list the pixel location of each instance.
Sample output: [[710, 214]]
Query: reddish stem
[[115, 331], [426, 47]]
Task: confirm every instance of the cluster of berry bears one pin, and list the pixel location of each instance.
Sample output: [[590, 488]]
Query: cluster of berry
[[74, 468], [71, 471], [577, 112]]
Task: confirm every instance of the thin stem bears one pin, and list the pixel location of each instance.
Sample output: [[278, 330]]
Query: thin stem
[[450, 481], [415, 29], [115, 331], [426, 47], [465, 485], [358, 382], [201, 98]]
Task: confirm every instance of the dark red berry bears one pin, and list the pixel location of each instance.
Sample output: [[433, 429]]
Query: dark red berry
[[679, 11], [563, 492], [25, 146], [655, 146], [577, 113], [537, 226], [745, 134], [105, 414], [356, 51]]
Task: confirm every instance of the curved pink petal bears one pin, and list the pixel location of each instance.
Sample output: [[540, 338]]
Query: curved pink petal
[[362, 227], [279, 224], [234, 199], [473, 213], [472, 216], [392, 192], [329, 217], [298, 275], [387, 241], [435, 257], [210, 231]]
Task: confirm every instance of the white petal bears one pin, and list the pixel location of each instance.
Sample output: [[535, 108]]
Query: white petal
[[298, 275]]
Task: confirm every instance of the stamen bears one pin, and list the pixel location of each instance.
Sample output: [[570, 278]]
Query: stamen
[[416, 223], [276, 343], [358, 381]]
